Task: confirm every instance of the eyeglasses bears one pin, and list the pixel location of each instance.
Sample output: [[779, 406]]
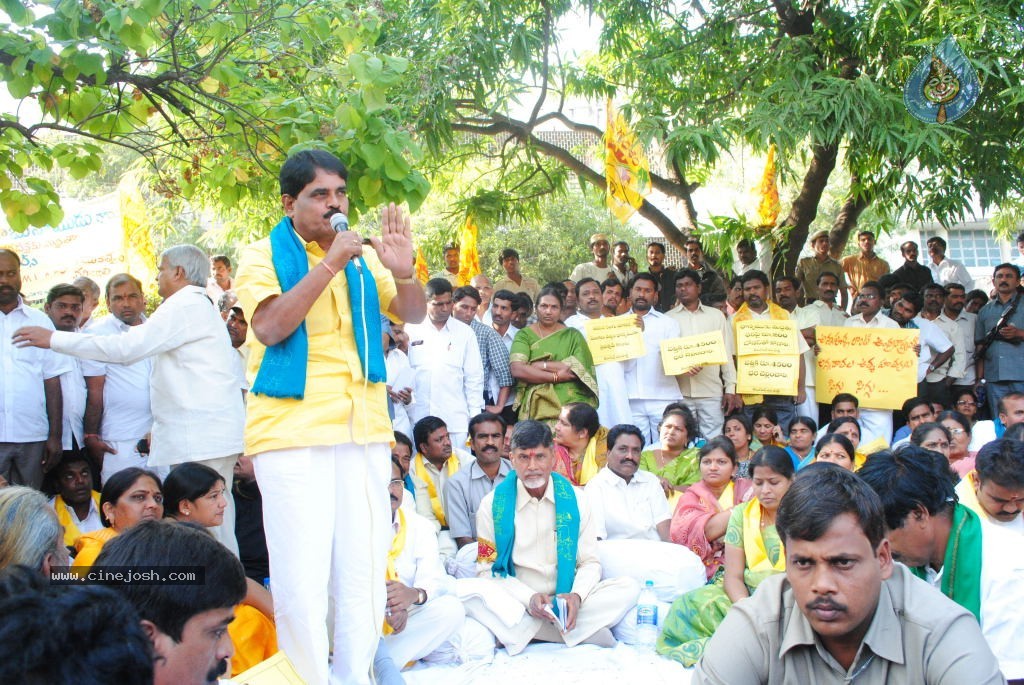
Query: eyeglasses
[[966, 403], [956, 431], [396, 481]]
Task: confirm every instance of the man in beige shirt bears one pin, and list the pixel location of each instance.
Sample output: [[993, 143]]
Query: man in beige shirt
[[844, 611], [514, 280], [708, 391], [866, 266], [592, 606]]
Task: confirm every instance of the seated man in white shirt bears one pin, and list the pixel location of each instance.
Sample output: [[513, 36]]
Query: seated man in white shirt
[[537, 550], [628, 503], [422, 615], [994, 490], [75, 500]]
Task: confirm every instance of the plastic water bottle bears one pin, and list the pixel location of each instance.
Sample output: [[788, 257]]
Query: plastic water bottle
[[647, 617]]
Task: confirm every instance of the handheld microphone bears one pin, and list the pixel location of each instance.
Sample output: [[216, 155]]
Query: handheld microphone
[[339, 222]]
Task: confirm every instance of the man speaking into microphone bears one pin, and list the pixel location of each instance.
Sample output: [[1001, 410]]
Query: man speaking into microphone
[[317, 421]]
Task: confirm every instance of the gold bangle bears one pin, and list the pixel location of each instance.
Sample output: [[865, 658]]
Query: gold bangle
[[331, 271], [554, 377], [405, 281]]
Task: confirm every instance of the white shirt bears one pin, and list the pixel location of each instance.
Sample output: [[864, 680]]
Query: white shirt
[[510, 335], [965, 350], [645, 376], [92, 520], [613, 408], [1002, 596], [72, 390], [449, 373], [950, 271], [23, 415], [982, 433], [126, 409], [624, 511], [214, 290], [197, 409], [397, 365], [711, 380], [880, 321], [419, 564], [933, 343]]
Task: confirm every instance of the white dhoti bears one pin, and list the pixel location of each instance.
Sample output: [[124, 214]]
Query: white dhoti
[[603, 608], [428, 627], [327, 519]]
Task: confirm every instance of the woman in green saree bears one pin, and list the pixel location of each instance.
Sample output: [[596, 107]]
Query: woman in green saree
[[753, 552], [675, 462], [551, 362]]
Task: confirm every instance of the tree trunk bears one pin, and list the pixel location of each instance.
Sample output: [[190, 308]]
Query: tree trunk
[[846, 220], [804, 209]]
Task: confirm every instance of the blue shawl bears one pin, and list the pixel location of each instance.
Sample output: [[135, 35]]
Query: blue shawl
[[282, 372], [567, 530]]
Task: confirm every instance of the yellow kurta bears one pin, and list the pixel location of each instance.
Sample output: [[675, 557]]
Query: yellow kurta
[[336, 408]]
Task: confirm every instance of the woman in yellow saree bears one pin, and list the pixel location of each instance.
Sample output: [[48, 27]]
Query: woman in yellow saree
[[551, 363], [753, 552]]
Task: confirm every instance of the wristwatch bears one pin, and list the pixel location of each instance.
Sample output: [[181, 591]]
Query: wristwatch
[[421, 597]]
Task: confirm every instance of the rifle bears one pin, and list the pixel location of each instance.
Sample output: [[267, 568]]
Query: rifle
[[1004, 319]]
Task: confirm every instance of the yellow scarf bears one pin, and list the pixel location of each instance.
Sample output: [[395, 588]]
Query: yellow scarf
[[776, 313], [71, 532], [725, 499], [590, 465], [397, 545], [753, 543], [424, 475], [969, 495]]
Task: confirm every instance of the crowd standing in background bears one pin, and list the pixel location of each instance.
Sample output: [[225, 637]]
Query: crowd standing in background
[[376, 471]]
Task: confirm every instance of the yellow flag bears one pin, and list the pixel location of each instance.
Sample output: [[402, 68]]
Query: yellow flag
[[626, 169], [768, 207], [469, 257], [137, 242], [422, 272]]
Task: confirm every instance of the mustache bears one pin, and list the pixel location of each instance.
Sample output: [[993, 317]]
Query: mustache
[[217, 671], [826, 604]]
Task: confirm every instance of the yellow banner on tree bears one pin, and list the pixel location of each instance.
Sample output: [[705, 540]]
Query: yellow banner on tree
[[469, 257], [626, 169], [763, 336], [679, 355], [877, 365], [768, 194], [615, 339], [422, 271], [774, 374]]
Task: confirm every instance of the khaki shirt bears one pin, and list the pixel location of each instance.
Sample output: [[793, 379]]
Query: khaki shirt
[[712, 381], [527, 285], [808, 269], [917, 636], [860, 270]]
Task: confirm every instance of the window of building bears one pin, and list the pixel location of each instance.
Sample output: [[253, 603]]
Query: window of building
[[975, 248]]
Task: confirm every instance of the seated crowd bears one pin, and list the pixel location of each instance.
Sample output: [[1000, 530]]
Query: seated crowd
[[779, 535]]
